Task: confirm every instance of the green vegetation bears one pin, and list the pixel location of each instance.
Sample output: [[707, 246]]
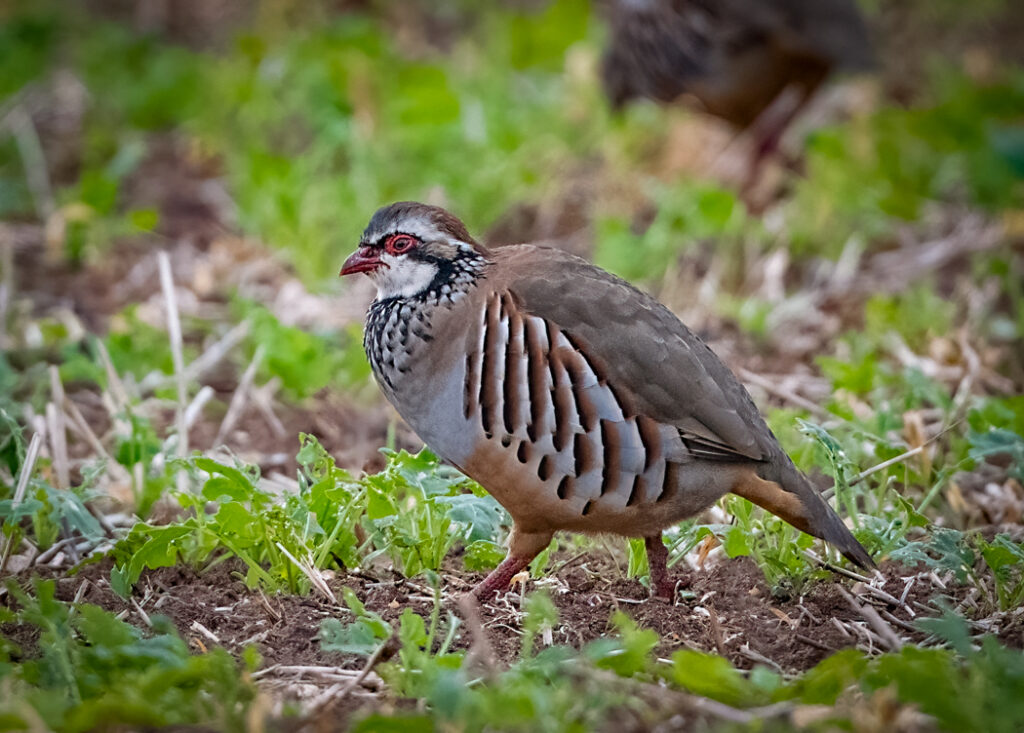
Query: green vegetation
[[897, 313], [92, 670], [414, 512]]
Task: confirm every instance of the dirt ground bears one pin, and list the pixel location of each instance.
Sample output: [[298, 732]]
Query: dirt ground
[[727, 609]]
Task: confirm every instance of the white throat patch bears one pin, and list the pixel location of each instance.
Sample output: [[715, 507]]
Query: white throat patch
[[401, 277]]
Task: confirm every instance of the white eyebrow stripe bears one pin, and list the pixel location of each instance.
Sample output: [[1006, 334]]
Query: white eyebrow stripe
[[421, 228]]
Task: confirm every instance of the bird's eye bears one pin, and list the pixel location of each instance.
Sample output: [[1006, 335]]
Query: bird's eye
[[398, 244]]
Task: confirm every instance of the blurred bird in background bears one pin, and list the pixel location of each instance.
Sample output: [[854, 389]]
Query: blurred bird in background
[[753, 63]]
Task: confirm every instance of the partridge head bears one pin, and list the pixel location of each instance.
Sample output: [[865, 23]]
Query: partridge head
[[577, 401]]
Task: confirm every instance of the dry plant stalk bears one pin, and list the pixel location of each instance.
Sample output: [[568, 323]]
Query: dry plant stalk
[[239, 397], [311, 572], [19, 491], [177, 356]]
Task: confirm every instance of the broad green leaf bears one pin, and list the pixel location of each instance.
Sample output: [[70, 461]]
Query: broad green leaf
[[412, 630], [997, 441], [711, 676], [737, 541], [483, 555], [358, 637], [28, 506], [830, 678], [634, 653], [220, 488], [378, 505]]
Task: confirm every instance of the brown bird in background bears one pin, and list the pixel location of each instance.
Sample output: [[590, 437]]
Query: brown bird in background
[[577, 401], [754, 63]]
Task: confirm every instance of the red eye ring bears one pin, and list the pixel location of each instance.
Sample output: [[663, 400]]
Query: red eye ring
[[399, 243]]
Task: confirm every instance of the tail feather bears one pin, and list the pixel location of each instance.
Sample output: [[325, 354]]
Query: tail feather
[[800, 504]]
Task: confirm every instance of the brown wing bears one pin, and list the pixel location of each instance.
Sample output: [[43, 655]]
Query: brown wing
[[656, 366], [832, 30]]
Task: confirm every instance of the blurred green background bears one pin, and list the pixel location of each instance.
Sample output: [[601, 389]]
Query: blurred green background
[[316, 113]]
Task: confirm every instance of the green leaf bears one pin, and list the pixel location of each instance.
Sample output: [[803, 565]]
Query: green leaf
[[144, 219], [412, 630], [737, 541], [121, 581], [159, 549], [1002, 553], [542, 41], [483, 514], [483, 555], [832, 447], [949, 627], [914, 517], [362, 636], [711, 676], [104, 630], [540, 563], [95, 671], [314, 458], [633, 653], [944, 550], [358, 637], [9, 512], [830, 678], [304, 361], [929, 677], [379, 505], [541, 613], [995, 442], [220, 488], [352, 601], [226, 481], [66, 506], [637, 558]]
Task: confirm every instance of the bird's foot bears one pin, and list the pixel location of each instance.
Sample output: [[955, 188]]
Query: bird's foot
[[667, 588], [664, 591], [662, 586], [499, 579]]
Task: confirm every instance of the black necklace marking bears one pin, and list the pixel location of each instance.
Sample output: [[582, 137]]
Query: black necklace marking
[[391, 321]]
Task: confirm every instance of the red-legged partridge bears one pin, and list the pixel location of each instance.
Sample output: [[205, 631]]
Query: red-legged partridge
[[736, 57], [577, 401]]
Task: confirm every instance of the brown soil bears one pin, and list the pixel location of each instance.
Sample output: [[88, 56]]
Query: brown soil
[[728, 610]]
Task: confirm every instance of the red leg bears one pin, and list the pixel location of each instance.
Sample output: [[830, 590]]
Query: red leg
[[501, 576], [657, 562], [767, 130], [522, 548]]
